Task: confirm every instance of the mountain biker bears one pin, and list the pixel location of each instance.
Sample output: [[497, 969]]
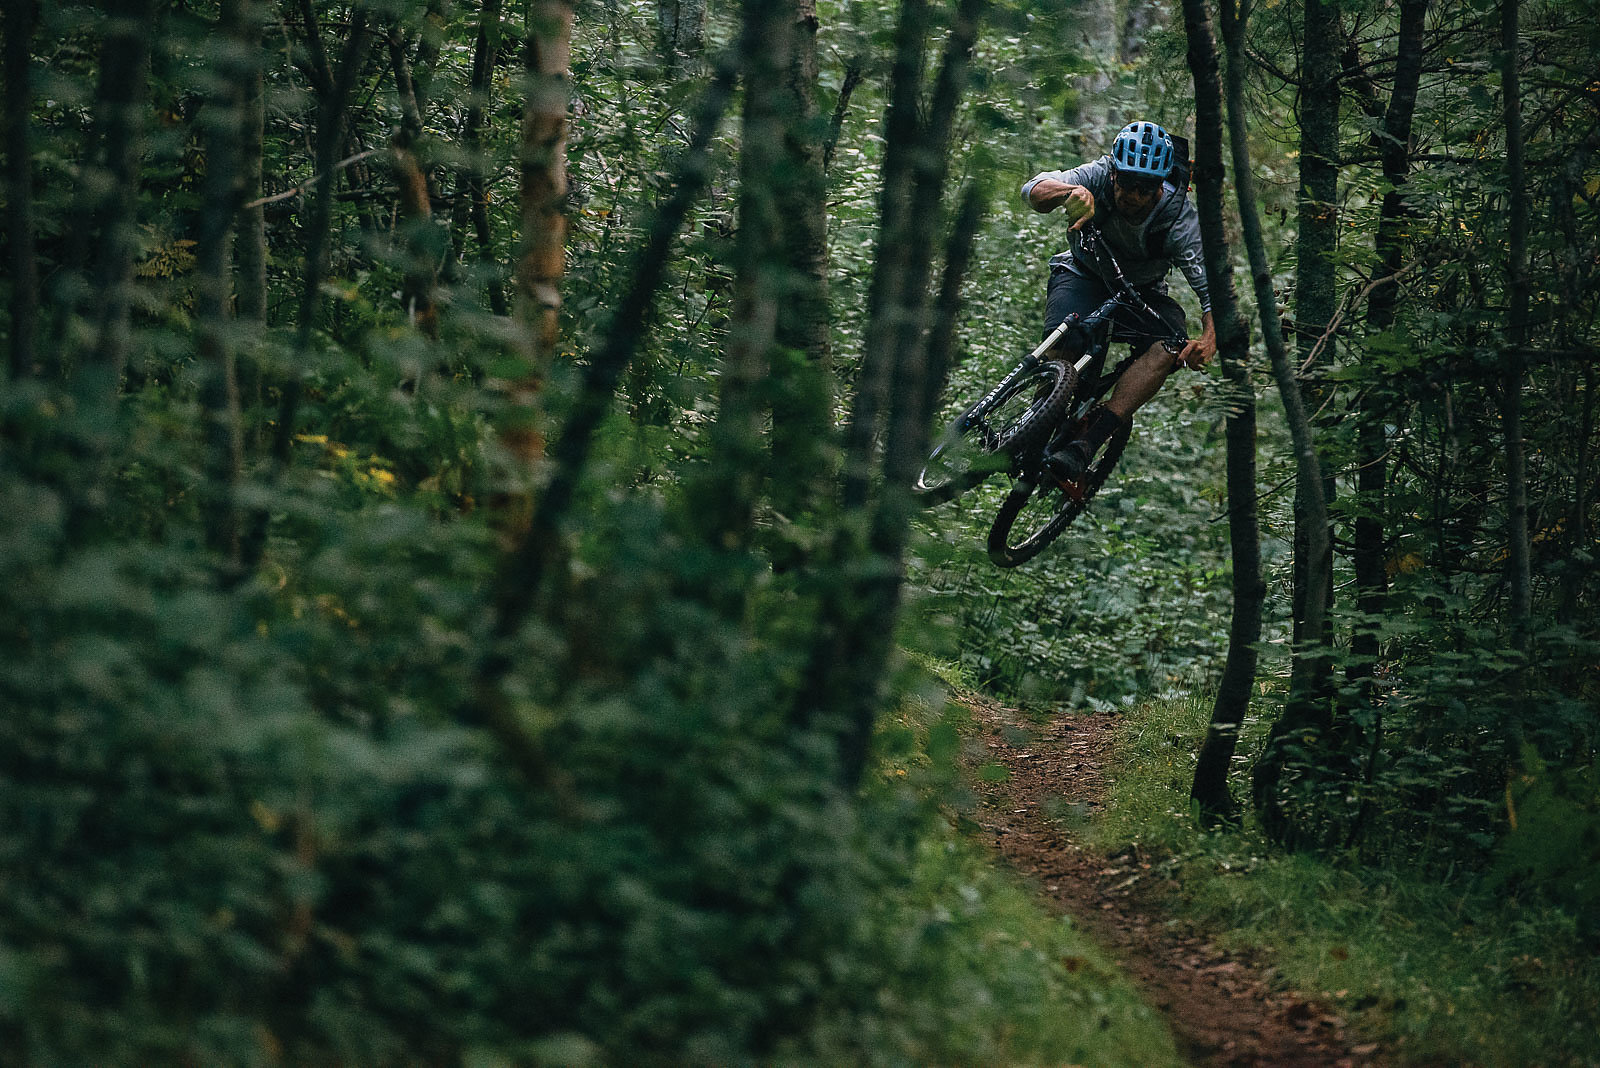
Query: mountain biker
[[1150, 225]]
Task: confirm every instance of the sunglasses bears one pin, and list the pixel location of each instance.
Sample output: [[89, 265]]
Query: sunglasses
[[1140, 185]]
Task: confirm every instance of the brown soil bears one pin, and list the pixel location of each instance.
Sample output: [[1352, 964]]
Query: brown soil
[[1224, 1008]]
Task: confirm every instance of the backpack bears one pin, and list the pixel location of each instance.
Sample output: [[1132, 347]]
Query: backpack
[[1155, 238]]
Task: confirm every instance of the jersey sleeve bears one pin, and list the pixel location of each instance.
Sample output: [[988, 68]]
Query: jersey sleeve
[[1076, 176], [1185, 250]]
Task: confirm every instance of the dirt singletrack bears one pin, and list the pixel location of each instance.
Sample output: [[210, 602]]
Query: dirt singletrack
[[1223, 1008]]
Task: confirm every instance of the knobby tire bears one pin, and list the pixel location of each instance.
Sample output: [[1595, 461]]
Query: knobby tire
[[1003, 552], [1052, 383]]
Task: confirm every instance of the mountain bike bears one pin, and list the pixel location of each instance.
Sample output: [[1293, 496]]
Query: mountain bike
[[1039, 406]]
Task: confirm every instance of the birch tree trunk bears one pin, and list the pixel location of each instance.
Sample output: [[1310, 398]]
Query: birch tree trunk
[[540, 261]]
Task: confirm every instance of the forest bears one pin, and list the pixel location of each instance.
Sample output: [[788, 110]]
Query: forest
[[464, 600]]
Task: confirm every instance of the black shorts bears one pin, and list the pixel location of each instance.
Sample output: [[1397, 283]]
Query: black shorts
[[1073, 292]]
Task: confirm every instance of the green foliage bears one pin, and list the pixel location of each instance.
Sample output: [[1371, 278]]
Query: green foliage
[[1464, 967]]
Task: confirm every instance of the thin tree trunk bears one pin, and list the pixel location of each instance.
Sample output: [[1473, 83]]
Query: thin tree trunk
[[856, 624], [120, 101], [727, 501], [1210, 788], [1518, 559], [250, 244], [250, 230], [332, 116], [18, 22], [1315, 295], [1370, 555], [841, 107], [222, 118], [523, 576], [540, 262], [473, 202], [1308, 467], [802, 389], [414, 209]]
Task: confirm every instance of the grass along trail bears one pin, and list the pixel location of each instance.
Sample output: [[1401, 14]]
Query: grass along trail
[[1223, 1009]]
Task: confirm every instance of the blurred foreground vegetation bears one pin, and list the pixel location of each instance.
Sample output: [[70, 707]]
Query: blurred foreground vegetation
[[423, 646]]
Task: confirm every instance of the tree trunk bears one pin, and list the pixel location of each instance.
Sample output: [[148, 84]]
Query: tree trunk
[[223, 135], [856, 621], [472, 203], [1210, 788], [414, 209], [334, 89], [1518, 556], [250, 230], [1372, 446], [540, 261], [682, 33], [802, 388], [1308, 468], [120, 103], [521, 582], [1315, 245], [18, 22], [728, 497]]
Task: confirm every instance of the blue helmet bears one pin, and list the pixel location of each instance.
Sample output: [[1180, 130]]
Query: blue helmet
[[1143, 148]]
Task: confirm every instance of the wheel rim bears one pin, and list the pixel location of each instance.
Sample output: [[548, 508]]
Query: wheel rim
[[973, 447], [1041, 517]]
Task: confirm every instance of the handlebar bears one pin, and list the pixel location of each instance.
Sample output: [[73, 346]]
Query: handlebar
[[1093, 243]]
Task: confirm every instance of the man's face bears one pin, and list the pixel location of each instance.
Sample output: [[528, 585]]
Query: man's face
[[1135, 195]]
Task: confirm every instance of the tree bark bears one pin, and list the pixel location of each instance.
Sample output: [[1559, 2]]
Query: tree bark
[[523, 576], [18, 22], [1315, 245], [856, 621], [802, 386], [1210, 788], [540, 261], [682, 29], [120, 103], [223, 135], [1518, 557], [414, 208], [472, 204], [728, 497], [1290, 727]]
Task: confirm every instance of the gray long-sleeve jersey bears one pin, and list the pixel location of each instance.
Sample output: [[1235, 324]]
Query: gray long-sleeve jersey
[[1181, 249]]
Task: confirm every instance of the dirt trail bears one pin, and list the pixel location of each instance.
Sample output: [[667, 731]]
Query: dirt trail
[[1223, 1008]]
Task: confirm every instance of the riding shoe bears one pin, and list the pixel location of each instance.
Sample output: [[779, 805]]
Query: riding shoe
[[1068, 463]]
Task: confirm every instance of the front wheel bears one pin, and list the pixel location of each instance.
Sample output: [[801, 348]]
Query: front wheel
[[985, 437], [1034, 514]]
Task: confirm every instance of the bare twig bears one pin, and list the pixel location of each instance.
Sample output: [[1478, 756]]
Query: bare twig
[[309, 182]]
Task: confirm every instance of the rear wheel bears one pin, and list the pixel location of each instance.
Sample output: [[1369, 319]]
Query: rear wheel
[[1034, 514], [984, 438]]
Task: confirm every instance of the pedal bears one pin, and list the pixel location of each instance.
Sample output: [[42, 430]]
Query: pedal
[[1071, 489]]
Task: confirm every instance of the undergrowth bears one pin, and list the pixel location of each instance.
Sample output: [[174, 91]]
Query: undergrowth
[[1448, 967], [981, 974]]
